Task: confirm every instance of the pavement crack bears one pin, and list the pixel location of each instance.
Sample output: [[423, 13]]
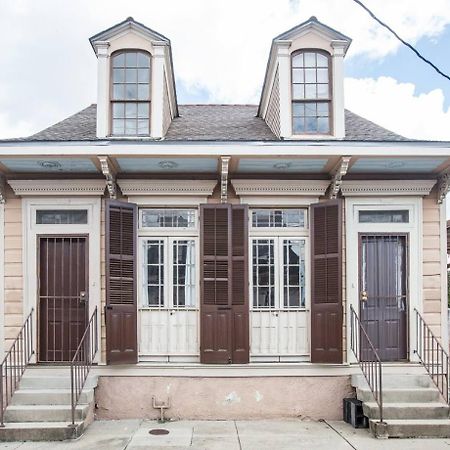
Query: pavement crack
[[237, 434], [339, 433]]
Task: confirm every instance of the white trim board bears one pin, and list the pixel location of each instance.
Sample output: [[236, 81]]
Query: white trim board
[[415, 263], [30, 232], [58, 187]]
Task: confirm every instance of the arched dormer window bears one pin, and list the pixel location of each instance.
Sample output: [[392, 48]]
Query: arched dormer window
[[130, 93], [311, 93]]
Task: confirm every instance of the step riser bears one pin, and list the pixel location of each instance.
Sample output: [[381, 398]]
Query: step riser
[[413, 396], [39, 415], [43, 383], [40, 434], [32, 398], [404, 413], [411, 431]]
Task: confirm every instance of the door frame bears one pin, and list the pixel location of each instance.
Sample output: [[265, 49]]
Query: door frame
[[415, 267], [38, 303], [407, 264], [30, 233]]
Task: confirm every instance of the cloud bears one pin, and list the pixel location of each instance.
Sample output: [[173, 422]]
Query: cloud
[[396, 106], [220, 48]]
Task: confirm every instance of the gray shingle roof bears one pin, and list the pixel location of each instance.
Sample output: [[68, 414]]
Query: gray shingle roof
[[209, 123]]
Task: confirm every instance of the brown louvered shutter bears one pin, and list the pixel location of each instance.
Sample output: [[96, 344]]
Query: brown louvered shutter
[[121, 301], [239, 285], [326, 291], [224, 285]]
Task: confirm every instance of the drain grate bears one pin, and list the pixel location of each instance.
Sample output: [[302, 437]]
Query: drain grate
[[158, 431]]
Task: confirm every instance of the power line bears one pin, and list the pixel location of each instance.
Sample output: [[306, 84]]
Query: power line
[[439, 71]]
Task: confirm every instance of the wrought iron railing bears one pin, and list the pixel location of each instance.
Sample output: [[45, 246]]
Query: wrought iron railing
[[368, 359], [82, 361], [14, 364], [432, 355]]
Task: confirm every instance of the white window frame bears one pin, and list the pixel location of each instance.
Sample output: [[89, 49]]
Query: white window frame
[[270, 229], [168, 273]]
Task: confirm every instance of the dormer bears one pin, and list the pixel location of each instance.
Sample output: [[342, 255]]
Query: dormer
[[303, 91], [136, 96]]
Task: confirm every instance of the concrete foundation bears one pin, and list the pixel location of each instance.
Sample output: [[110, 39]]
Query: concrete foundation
[[253, 398]]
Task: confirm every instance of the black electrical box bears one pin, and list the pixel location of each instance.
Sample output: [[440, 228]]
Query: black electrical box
[[353, 413]]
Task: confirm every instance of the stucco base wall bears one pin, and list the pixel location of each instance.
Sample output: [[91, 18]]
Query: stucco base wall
[[223, 398]]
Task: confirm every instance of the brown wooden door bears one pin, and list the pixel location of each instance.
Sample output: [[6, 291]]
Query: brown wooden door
[[224, 310], [63, 299], [121, 293], [326, 291], [383, 293]]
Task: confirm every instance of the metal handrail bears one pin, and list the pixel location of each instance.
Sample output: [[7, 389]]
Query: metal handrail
[[82, 361], [368, 359], [432, 355], [14, 364]]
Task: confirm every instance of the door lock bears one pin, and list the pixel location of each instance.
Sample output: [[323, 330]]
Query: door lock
[[364, 296], [83, 297]]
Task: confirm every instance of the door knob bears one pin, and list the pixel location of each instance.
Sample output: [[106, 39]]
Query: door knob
[[364, 296]]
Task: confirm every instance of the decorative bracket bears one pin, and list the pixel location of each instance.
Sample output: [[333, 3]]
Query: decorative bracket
[[337, 173], [443, 186], [109, 172], [225, 162]]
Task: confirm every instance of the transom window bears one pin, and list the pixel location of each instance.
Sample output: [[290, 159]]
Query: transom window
[[384, 216], [61, 216], [130, 93], [168, 218], [278, 273], [279, 218], [311, 96], [169, 273]]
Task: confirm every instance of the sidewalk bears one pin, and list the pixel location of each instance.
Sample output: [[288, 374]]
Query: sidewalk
[[230, 435]]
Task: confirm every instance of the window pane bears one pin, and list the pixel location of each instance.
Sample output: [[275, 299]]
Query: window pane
[[297, 60], [397, 216], [131, 110], [119, 60], [294, 273], [168, 218], [143, 126], [130, 127], [322, 60], [184, 273], [322, 109], [311, 91], [298, 125], [310, 109], [131, 75], [131, 92], [143, 92], [323, 125], [144, 75], [61, 217], [263, 273], [298, 76], [143, 60], [298, 109], [154, 272], [298, 91], [118, 75], [322, 91], [310, 60], [278, 218], [118, 126], [118, 92], [310, 76], [118, 110], [311, 124], [143, 110], [131, 59], [322, 75]]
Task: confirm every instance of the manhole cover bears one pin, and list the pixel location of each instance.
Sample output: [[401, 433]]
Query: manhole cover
[[158, 431]]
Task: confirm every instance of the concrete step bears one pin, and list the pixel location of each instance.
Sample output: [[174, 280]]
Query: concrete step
[[40, 431], [396, 381], [420, 428], [49, 397], [40, 382], [402, 395], [403, 411], [45, 413]]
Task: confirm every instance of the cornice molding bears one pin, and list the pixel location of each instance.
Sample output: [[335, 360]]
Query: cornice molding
[[386, 187], [280, 187], [225, 162], [167, 187], [338, 172], [58, 187], [110, 175]]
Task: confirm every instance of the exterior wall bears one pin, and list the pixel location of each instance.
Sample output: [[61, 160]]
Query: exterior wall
[[13, 282], [432, 281], [223, 398], [272, 116]]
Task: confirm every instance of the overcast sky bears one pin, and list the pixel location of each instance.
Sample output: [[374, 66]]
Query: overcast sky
[[220, 48]]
